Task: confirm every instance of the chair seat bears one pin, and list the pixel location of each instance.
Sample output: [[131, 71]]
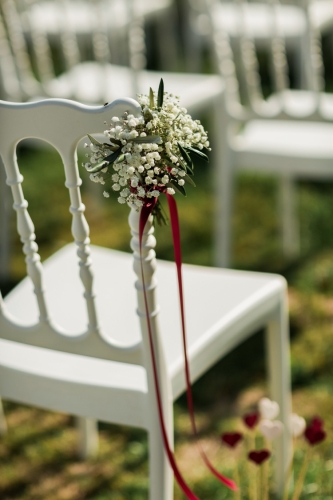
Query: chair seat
[[302, 103], [303, 147], [93, 83], [105, 390], [226, 306], [289, 138]]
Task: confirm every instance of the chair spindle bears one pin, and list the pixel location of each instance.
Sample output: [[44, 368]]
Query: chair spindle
[[80, 232], [26, 230]]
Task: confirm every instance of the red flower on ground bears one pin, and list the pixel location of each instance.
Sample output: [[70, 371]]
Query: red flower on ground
[[317, 423], [231, 439], [251, 419], [314, 437], [259, 456], [314, 433]]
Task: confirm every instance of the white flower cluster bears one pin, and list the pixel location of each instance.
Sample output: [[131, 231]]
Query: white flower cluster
[[148, 154]]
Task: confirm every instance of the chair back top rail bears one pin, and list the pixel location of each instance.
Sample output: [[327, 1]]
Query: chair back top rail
[[62, 124], [238, 63]]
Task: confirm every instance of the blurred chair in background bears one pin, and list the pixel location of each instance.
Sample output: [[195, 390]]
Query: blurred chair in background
[[69, 19], [282, 133], [291, 20], [257, 23], [28, 57], [81, 349], [112, 32]]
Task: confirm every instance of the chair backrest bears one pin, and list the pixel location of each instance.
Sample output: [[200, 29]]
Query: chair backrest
[[236, 53], [63, 123], [30, 42]]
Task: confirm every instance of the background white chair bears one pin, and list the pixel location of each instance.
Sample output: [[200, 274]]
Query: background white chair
[[95, 81], [291, 19], [70, 338], [281, 134], [64, 21]]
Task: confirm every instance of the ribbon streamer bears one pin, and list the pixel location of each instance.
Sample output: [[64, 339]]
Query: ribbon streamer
[[178, 260], [144, 215], [145, 212]]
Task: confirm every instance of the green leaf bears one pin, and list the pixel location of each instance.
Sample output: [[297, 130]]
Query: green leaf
[[177, 187], [160, 94], [120, 159], [188, 179], [185, 167], [98, 167], [181, 165], [94, 141], [198, 153], [189, 170], [109, 147], [187, 158], [115, 141], [112, 157], [148, 115], [151, 98], [108, 160], [156, 139]]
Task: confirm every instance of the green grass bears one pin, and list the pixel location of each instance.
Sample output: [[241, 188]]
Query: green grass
[[38, 459]]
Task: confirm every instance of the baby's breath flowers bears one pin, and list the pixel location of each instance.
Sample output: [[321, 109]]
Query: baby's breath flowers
[[150, 154]]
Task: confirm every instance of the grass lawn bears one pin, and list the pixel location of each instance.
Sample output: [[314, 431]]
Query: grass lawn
[[38, 458]]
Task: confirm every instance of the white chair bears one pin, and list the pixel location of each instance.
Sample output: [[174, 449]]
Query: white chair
[[94, 82], [79, 19], [291, 19], [281, 134], [71, 340]]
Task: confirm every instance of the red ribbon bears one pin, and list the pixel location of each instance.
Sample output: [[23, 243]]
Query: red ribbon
[[178, 260], [144, 215]]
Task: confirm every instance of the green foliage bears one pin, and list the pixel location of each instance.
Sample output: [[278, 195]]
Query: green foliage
[[160, 94]]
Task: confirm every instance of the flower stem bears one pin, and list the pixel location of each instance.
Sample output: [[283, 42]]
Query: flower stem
[[250, 442], [259, 483], [301, 477], [289, 474], [237, 481], [265, 474]]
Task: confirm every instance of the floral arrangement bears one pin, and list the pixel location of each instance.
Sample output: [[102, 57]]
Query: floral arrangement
[[150, 154], [146, 156], [263, 423]]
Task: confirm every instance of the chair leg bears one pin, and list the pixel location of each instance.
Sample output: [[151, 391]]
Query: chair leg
[[277, 338], [160, 472], [224, 187], [88, 437], [3, 423], [289, 219]]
